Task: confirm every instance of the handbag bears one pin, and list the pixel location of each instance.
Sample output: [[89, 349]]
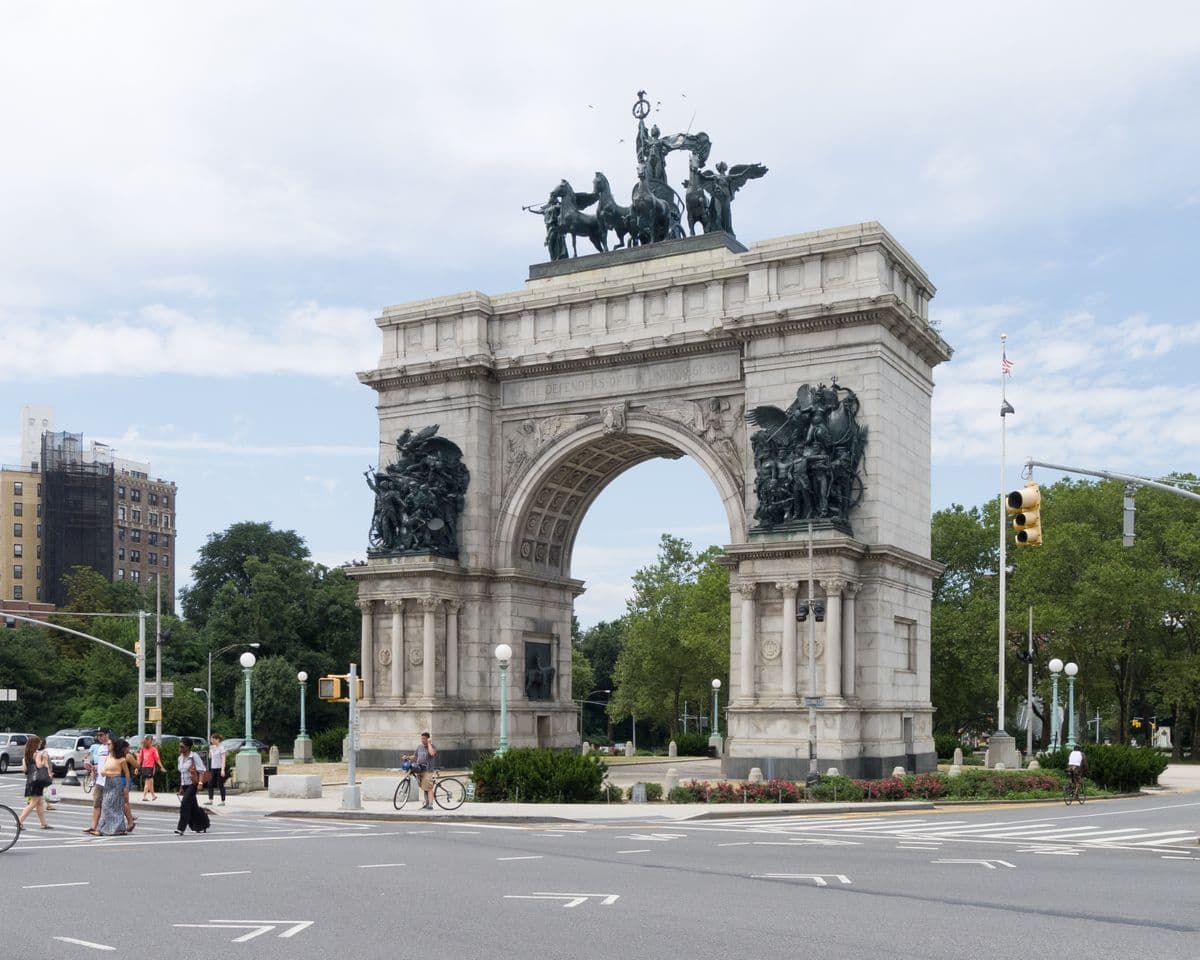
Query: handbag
[[52, 794], [202, 777], [41, 776]]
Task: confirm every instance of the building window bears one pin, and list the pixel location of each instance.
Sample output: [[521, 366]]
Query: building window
[[906, 643], [152, 558], [18, 509], [18, 592], [121, 491], [18, 488], [137, 536], [165, 561], [154, 499], [39, 510], [120, 553], [153, 538], [120, 573], [39, 571], [166, 500], [18, 550], [135, 575], [39, 489], [18, 530], [121, 512], [135, 494], [166, 521], [18, 571], [39, 546], [153, 518], [135, 556], [137, 515]]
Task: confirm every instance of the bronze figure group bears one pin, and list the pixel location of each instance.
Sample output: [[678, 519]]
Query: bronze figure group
[[655, 212]]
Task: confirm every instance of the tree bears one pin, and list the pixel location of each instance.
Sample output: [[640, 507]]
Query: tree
[[676, 637], [274, 701], [223, 560], [601, 645]]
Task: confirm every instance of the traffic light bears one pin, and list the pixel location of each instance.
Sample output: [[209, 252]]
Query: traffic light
[[1024, 506], [816, 607], [154, 714], [336, 689], [802, 611]]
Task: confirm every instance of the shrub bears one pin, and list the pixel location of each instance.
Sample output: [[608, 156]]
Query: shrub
[[831, 789], [168, 753], [945, 744], [538, 776], [692, 744], [984, 784], [612, 793], [1114, 766], [327, 745]]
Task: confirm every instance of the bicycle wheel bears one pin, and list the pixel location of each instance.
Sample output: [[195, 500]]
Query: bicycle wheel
[[89, 781], [403, 791], [1067, 794], [449, 793], [1081, 794], [9, 829]]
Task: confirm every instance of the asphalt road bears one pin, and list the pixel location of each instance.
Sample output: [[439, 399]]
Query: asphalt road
[[1115, 879]]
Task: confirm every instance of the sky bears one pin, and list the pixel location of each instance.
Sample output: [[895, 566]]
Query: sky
[[202, 209]]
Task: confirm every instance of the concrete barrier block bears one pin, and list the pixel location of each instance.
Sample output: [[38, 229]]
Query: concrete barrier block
[[295, 786], [379, 788]]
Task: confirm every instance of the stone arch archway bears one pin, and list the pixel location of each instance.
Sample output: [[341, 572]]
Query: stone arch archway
[[606, 361], [540, 517]]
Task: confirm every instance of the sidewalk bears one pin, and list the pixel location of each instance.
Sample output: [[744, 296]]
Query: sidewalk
[[1177, 778]]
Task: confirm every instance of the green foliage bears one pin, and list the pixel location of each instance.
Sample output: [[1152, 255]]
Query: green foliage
[[838, 789], [973, 784], [945, 744], [611, 793], [168, 753], [327, 745], [691, 744], [601, 645], [984, 784], [538, 776], [274, 700], [583, 677], [1113, 766], [677, 635]]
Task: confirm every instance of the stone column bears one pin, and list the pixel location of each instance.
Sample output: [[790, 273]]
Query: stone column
[[833, 636], [788, 652], [367, 652], [429, 605], [397, 666], [849, 639], [452, 608], [747, 589]]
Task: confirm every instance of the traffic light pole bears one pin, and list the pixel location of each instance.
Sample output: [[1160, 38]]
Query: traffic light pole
[[1111, 475], [1005, 409]]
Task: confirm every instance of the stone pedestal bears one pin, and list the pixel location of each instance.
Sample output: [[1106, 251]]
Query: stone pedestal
[[248, 768], [1003, 749], [302, 750]]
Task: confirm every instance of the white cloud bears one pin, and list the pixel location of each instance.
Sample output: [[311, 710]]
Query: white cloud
[[189, 284]]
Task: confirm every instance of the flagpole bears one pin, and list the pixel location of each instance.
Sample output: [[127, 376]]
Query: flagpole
[[1004, 408]]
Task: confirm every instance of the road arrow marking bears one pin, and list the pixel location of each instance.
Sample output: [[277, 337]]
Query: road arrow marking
[[573, 899], [990, 864], [817, 878], [256, 927]]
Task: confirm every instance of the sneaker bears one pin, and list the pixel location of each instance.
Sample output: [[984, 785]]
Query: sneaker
[[221, 804]]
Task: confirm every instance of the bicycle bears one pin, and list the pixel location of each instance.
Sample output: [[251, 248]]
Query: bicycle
[[89, 781], [448, 792], [8, 832], [1073, 790]]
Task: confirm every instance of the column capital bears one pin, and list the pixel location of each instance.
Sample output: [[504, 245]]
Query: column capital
[[747, 588], [833, 586], [788, 587], [454, 606], [852, 587], [396, 606], [430, 604], [366, 606]]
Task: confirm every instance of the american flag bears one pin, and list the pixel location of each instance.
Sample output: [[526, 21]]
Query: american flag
[[1006, 365]]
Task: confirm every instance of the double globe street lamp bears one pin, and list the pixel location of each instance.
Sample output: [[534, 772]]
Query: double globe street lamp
[[1071, 669]]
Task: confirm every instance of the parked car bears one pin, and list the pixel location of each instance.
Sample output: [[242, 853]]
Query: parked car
[[234, 744], [12, 749], [68, 751]]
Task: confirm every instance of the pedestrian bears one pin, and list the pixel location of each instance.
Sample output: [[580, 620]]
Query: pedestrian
[[38, 776], [113, 822], [148, 761], [423, 763], [97, 754], [216, 767], [191, 770], [128, 768]]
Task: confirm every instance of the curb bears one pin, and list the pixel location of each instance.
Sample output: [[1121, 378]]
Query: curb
[[398, 817]]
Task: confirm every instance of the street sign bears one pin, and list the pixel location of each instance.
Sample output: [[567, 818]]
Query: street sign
[[814, 701], [168, 689]]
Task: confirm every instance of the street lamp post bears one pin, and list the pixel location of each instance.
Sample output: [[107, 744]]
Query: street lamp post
[[207, 709], [1056, 666], [249, 763], [503, 653], [716, 723], [1071, 669], [217, 653], [302, 749]]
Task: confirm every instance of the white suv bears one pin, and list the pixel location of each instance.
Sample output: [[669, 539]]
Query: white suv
[[67, 752], [12, 750]]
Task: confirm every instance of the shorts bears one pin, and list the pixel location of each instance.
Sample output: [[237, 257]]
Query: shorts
[[97, 795], [426, 779]]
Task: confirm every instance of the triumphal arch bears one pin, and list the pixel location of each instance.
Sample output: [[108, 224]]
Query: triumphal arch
[[796, 371]]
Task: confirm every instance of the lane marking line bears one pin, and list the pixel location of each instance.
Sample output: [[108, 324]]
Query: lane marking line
[[647, 850], [226, 873], [373, 866], [47, 886], [84, 943], [519, 858]]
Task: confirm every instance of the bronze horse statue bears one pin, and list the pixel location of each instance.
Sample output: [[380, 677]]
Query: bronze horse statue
[[655, 217], [574, 221], [612, 215], [695, 199]]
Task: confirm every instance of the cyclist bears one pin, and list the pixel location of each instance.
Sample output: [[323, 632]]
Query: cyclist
[[1076, 765], [422, 762]]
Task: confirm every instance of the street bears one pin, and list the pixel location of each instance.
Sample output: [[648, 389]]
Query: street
[[1112, 879]]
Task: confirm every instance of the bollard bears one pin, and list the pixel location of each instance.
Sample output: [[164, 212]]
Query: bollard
[[958, 756], [671, 782], [673, 749], [954, 771], [756, 775], [898, 772]]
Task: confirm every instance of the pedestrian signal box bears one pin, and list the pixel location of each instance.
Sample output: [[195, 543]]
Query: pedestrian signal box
[[336, 689], [1025, 508], [154, 714]]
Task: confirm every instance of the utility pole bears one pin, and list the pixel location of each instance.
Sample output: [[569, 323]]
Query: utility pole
[[158, 656], [1029, 694], [141, 669]]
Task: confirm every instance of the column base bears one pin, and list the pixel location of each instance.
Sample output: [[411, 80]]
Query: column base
[[302, 751], [1003, 749], [249, 770]]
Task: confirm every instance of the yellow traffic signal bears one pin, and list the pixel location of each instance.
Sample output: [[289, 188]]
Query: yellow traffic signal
[[336, 689], [1024, 506]]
